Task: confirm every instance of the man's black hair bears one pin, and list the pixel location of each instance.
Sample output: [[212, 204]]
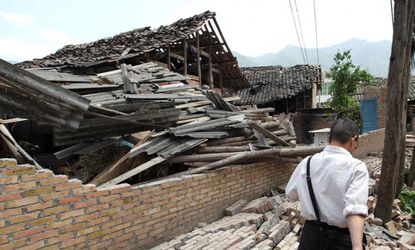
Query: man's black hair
[[342, 130]]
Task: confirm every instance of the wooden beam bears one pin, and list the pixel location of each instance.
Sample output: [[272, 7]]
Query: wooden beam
[[266, 153], [215, 70], [202, 52], [210, 74], [168, 57], [185, 57], [221, 35], [268, 134], [199, 69], [176, 56], [134, 171]]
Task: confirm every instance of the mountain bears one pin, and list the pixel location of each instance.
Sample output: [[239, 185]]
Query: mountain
[[11, 61], [372, 56]]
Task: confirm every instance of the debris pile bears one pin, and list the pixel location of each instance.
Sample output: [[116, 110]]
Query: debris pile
[[275, 223], [148, 117], [397, 233], [264, 223]]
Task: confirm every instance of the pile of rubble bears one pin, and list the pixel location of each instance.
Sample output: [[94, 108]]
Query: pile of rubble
[[149, 117], [264, 223], [399, 232], [275, 223]]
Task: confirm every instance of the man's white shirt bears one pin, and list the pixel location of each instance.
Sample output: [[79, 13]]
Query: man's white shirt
[[340, 184]]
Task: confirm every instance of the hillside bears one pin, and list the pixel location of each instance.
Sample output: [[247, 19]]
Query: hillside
[[373, 56]]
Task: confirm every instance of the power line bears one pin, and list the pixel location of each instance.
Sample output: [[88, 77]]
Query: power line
[[301, 31], [296, 30], [315, 28]]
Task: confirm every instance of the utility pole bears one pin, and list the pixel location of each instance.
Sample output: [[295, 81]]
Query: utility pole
[[395, 130]]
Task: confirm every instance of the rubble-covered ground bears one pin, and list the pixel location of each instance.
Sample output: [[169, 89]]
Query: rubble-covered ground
[[275, 223]]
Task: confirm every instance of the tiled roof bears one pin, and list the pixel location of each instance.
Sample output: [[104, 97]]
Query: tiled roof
[[383, 82], [131, 42], [272, 83], [146, 44]]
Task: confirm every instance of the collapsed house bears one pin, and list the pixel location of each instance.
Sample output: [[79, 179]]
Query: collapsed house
[[136, 107], [287, 89], [153, 108], [192, 46]]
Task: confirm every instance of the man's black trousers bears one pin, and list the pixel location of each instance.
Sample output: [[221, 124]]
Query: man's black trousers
[[320, 236]]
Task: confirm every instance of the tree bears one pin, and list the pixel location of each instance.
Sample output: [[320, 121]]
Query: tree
[[346, 77], [395, 132]]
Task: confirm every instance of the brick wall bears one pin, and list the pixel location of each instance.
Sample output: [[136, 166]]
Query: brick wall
[[41, 210], [380, 95]]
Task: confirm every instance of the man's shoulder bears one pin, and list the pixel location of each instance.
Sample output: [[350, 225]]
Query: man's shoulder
[[359, 165]]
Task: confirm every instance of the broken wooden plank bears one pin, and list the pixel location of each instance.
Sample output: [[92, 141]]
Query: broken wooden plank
[[12, 120], [5, 132], [134, 171], [129, 87], [112, 171], [203, 103], [268, 134]]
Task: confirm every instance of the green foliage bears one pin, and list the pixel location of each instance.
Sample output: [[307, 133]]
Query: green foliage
[[407, 198], [346, 77]]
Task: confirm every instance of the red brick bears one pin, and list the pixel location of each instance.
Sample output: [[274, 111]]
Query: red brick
[[13, 245], [24, 217], [61, 238], [3, 239], [37, 191], [60, 224], [43, 221], [54, 195], [8, 197], [41, 174], [120, 188], [10, 212], [22, 202], [72, 213], [8, 162], [68, 185], [21, 170], [86, 188], [84, 204], [45, 235], [12, 229], [40, 206], [72, 242], [71, 199], [28, 232], [98, 193], [8, 180], [54, 180]]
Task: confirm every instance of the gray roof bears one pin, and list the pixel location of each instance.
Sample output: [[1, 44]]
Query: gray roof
[[272, 83]]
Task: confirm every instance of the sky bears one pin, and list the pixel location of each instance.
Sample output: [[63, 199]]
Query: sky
[[35, 28]]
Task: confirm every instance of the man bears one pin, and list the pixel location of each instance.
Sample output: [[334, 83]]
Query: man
[[339, 184]]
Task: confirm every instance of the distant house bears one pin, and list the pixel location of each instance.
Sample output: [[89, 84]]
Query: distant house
[[287, 89], [323, 94], [377, 94]]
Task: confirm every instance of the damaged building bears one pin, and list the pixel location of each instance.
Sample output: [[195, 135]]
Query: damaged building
[[287, 89], [131, 140], [152, 138]]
